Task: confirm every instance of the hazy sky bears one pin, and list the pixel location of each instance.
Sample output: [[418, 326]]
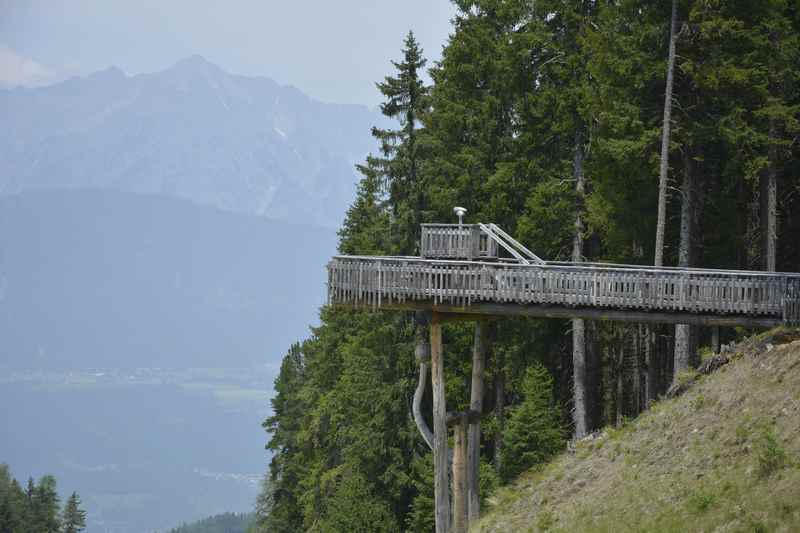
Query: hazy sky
[[333, 50]]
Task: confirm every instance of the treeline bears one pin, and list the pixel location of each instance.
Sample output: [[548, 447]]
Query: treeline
[[546, 118], [221, 523], [36, 508]]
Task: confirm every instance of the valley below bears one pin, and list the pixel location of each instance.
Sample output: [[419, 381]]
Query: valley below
[[141, 336], [146, 448]]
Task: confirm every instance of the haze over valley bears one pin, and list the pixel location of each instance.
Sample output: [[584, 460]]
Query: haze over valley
[[162, 243]]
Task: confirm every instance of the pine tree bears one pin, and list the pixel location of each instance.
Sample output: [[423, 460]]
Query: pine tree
[[399, 165], [41, 508], [287, 465], [521, 90], [533, 432], [365, 230], [352, 507], [73, 517], [12, 499]]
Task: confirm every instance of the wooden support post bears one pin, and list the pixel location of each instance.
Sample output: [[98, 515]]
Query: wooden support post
[[479, 349], [440, 488], [460, 476], [422, 352], [715, 339], [499, 400]]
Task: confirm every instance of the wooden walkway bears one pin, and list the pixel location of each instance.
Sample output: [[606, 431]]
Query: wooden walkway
[[462, 274], [566, 290]]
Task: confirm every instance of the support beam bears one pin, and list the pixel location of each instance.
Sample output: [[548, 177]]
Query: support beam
[[479, 349], [460, 476], [499, 399], [422, 353], [580, 409], [440, 488], [476, 311], [715, 339]]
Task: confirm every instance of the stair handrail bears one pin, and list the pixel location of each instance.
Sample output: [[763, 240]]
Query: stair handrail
[[535, 258], [499, 240]]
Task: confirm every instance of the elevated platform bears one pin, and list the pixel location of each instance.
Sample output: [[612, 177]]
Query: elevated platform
[[495, 286], [463, 274]]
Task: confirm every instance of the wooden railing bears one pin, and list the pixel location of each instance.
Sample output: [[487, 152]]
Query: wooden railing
[[376, 281], [454, 241]]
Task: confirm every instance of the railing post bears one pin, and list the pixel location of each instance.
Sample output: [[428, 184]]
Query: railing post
[[474, 241]]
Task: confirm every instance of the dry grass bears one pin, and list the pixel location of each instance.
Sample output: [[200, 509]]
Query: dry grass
[[723, 457]]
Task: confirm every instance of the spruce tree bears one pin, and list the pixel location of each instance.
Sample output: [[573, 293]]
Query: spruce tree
[[518, 83], [365, 230], [533, 432], [73, 518], [399, 165], [46, 506]]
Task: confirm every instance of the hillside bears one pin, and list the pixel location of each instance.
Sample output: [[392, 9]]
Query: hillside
[[192, 131], [724, 456]]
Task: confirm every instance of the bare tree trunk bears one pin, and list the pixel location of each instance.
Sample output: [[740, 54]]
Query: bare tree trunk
[[630, 339], [594, 375], [752, 238], [664, 166], [663, 170], [479, 350], [440, 460], [499, 402], [460, 476], [771, 223], [683, 332], [651, 363], [580, 393], [619, 355]]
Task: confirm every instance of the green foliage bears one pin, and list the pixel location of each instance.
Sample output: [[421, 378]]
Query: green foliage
[[533, 432], [13, 502], [421, 516], [770, 454], [36, 508], [522, 87], [221, 523], [545, 520], [366, 227], [43, 504], [352, 507], [399, 167], [73, 517], [700, 501]]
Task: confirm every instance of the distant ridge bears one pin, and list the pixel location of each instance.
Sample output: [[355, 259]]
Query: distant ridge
[[103, 279], [192, 131]]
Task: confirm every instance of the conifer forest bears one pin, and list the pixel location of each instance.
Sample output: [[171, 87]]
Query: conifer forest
[[549, 249], [625, 131]]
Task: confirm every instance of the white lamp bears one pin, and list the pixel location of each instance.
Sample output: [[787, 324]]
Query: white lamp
[[460, 212]]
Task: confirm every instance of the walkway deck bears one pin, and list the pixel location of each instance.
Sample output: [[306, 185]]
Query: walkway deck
[[567, 290]]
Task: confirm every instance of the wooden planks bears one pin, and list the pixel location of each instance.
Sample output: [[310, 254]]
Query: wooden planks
[[455, 241], [374, 282]]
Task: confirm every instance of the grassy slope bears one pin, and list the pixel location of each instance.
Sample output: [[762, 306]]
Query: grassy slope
[[725, 456]]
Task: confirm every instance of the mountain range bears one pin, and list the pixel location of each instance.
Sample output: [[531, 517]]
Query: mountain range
[[193, 131]]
